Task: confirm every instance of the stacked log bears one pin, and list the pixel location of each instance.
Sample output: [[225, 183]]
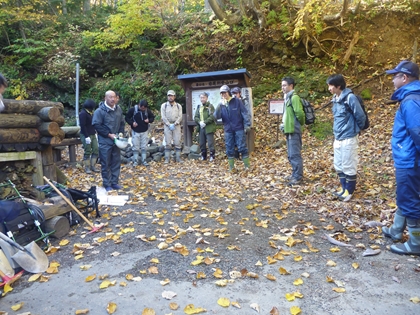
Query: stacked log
[[30, 125]]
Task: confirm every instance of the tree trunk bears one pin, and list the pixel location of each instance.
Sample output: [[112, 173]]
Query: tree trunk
[[50, 140], [64, 6], [59, 224], [86, 6], [21, 135], [28, 107], [16, 121], [60, 121], [221, 14], [49, 113], [49, 129]]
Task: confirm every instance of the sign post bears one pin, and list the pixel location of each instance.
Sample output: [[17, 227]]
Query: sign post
[[276, 107]]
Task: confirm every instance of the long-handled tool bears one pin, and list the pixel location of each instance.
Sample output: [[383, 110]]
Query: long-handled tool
[[94, 228], [31, 257], [9, 280]]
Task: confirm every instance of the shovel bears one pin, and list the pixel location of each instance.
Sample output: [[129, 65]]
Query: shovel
[[31, 257]]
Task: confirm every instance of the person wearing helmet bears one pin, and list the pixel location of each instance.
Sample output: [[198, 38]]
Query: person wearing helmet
[[3, 86], [139, 117], [171, 113], [108, 121], [206, 125], [88, 136], [236, 123]]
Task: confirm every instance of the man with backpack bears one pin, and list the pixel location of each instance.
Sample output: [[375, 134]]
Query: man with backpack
[[405, 144], [349, 120], [293, 120], [171, 113], [139, 117]]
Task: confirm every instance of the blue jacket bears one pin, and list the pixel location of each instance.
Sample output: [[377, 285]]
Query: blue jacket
[[108, 121], [235, 116], [405, 140], [344, 125]]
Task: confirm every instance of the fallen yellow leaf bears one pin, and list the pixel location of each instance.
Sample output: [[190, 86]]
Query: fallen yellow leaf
[[64, 242], [339, 290], [355, 265], [90, 278], [298, 281], [81, 312], [173, 306], [148, 311], [283, 271], [16, 307], [34, 277], [111, 307], [295, 310], [191, 309], [225, 302], [415, 300]]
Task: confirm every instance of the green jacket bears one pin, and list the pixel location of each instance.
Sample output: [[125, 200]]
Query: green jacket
[[293, 108], [209, 119]]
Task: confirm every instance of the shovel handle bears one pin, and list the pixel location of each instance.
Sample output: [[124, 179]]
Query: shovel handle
[[69, 203], [11, 242]]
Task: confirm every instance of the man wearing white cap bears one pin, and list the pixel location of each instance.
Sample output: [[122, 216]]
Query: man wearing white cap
[[405, 145], [171, 113]]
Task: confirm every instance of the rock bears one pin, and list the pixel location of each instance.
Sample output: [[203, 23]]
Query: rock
[[157, 156], [195, 149], [186, 150], [152, 149]]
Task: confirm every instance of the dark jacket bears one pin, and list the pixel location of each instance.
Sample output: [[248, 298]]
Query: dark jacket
[[85, 120], [405, 139], [209, 119], [108, 121], [344, 125], [139, 118], [234, 115]]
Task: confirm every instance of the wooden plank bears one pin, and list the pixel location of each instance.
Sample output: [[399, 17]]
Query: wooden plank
[[68, 141], [18, 156]]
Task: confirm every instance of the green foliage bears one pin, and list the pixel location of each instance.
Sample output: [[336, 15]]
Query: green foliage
[[321, 129], [366, 94], [30, 52]]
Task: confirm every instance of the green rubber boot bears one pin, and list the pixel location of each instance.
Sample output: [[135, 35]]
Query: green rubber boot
[[246, 161], [397, 229], [231, 162]]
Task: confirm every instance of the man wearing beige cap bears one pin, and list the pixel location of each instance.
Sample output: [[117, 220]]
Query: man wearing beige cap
[[171, 113], [405, 145]]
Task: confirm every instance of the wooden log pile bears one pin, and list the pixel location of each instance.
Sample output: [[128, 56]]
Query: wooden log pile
[[31, 125]]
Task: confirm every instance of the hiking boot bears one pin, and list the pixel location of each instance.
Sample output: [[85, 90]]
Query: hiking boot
[[396, 230], [211, 158], [116, 186], [143, 157], [108, 188], [246, 162], [294, 182], [167, 155], [412, 246]]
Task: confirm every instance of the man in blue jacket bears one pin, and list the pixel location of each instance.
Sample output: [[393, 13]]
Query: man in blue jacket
[[405, 144], [236, 124], [349, 119], [108, 121]]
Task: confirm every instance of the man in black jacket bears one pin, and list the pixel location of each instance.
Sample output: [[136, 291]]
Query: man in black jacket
[[139, 117]]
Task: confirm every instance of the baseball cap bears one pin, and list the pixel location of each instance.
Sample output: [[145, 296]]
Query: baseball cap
[[406, 67], [236, 90], [224, 88], [171, 92]]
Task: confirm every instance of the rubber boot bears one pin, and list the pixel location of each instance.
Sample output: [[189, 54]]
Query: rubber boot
[[87, 166], [167, 156], [203, 155], [212, 156], [178, 156], [143, 157], [135, 158], [412, 246], [350, 187], [246, 161], [93, 160], [397, 228], [231, 162], [340, 191]]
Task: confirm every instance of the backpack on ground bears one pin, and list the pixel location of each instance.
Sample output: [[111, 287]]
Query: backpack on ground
[[309, 112], [362, 105]]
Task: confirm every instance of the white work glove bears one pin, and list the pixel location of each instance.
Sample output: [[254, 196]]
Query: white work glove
[[120, 135], [224, 101], [202, 124], [172, 127], [247, 129], [88, 141]]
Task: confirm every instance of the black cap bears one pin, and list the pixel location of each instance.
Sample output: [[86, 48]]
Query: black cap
[[89, 104], [406, 67]]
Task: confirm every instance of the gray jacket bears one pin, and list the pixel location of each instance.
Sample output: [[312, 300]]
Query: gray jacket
[[344, 124], [108, 121]]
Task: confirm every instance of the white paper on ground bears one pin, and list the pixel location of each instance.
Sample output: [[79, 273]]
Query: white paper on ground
[[111, 200]]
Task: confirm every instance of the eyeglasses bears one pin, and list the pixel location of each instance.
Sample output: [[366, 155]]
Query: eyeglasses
[[398, 75]]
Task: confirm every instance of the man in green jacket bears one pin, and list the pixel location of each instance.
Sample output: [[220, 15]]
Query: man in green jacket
[[206, 124], [293, 120]]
